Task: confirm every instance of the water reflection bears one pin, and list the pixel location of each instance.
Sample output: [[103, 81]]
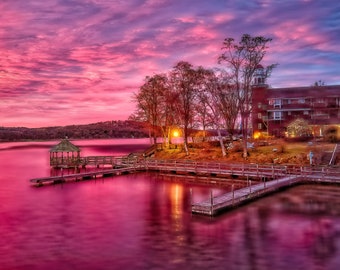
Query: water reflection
[[143, 221]]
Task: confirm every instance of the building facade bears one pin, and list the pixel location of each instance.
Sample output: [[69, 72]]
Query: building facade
[[276, 109]]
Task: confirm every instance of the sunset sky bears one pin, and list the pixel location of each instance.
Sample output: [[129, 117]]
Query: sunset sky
[[68, 62]]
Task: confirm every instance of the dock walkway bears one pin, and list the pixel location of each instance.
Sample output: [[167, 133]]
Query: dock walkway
[[83, 176], [234, 198], [214, 205], [217, 169], [272, 177]]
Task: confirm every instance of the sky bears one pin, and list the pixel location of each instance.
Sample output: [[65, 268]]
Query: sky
[[65, 62]]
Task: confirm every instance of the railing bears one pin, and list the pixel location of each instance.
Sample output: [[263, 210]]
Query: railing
[[92, 160], [65, 161], [231, 199], [331, 162], [272, 171], [222, 170], [199, 167]]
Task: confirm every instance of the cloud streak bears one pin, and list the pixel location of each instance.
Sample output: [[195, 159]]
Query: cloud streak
[[80, 61]]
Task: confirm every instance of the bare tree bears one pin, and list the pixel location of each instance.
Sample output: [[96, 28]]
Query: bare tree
[[220, 100], [183, 79], [227, 101], [204, 117], [151, 102], [209, 95], [241, 60], [169, 116]]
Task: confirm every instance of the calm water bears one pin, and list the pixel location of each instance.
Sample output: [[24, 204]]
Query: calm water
[[142, 221]]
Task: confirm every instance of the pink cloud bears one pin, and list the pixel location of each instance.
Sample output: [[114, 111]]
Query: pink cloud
[[81, 62]]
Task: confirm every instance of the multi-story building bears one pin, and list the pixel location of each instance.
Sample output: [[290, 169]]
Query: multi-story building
[[275, 109]]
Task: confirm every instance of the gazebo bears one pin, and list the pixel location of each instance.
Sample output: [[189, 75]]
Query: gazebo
[[64, 155]]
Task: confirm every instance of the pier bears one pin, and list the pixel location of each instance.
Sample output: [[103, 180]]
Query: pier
[[128, 165], [81, 176], [214, 205], [117, 166], [217, 169], [267, 178]]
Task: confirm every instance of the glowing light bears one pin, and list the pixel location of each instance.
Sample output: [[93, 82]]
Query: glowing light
[[257, 135], [175, 133]]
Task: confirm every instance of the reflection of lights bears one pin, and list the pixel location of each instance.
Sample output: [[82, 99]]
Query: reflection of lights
[[176, 198], [176, 205]]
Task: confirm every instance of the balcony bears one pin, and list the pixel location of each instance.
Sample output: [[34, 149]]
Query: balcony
[[320, 104], [320, 116]]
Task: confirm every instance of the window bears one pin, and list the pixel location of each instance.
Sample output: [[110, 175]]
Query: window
[[305, 112], [259, 126], [301, 101], [259, 105], [259, 116], [277, 115], [277, 103]]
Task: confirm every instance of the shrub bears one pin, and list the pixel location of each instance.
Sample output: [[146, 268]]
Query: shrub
[[330, 134]]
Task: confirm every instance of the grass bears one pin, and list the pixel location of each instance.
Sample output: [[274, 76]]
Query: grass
[[273, 152]]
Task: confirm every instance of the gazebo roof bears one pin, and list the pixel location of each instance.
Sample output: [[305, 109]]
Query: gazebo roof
[[65, 146]]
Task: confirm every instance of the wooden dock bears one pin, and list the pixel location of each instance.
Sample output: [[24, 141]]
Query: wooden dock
[[214, 205], [82, 176], [217, 169], [272, 177]]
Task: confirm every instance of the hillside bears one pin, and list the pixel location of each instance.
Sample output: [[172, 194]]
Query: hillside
[[100, 130]]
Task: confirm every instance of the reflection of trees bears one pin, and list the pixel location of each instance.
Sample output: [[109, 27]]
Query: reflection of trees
[[312, 203], [324, 246], [264, 247], [263, 235], [256, 238], [290, 243]]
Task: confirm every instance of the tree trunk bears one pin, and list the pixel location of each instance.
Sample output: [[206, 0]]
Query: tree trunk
[[221, 142], [186, 141], [245, 136]]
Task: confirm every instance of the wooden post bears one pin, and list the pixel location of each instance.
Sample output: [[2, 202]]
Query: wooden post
[[211, 202], [191, 198], [232, 189]]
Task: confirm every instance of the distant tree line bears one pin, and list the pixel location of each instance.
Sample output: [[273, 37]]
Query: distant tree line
[[191, 97], [101, 130]]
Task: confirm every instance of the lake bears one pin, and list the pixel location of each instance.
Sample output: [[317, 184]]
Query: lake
[[143, 220]]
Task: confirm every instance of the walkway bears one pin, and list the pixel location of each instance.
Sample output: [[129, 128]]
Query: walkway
[[82, 176], [214, 205], [272, 177], [234, 198]]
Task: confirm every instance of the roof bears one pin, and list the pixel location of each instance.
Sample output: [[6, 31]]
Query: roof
[[65, 146], [305, 92]]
